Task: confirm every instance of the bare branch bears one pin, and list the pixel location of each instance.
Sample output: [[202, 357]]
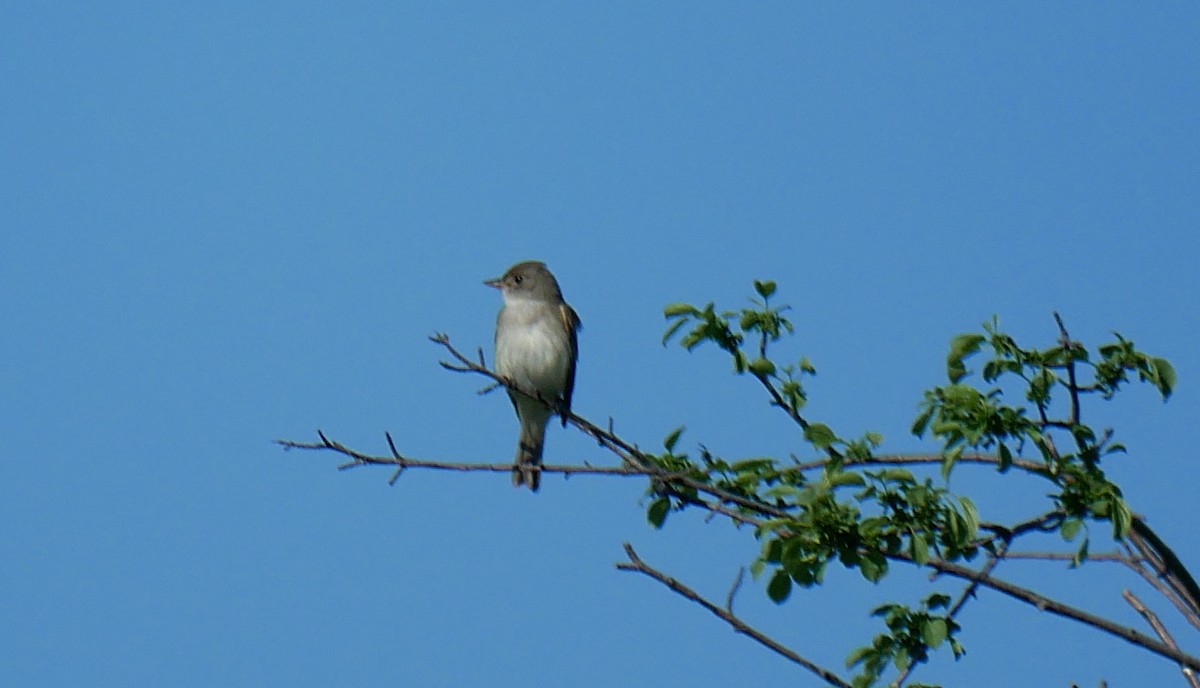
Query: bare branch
[[636, 564], [405, 462], [1161, 631]]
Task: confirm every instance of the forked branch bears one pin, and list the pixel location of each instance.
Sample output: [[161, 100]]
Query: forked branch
[[636, 564]]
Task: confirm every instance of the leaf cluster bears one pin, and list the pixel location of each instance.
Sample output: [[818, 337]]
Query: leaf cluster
[[966, 417], [911, 634]]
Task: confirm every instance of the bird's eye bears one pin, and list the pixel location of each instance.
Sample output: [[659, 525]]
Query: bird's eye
[[518, 279]]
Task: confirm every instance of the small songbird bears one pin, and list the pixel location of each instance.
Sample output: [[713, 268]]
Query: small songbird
[[536, 348]]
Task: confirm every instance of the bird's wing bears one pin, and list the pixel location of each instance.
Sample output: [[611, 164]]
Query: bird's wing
[[571, 322]]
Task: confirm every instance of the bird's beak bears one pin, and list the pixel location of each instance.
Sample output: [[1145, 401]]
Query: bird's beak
[[495, 283]]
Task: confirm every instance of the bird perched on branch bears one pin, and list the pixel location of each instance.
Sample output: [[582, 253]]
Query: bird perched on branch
[[536, 349]]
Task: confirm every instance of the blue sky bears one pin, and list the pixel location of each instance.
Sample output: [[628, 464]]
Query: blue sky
[[236, 222]]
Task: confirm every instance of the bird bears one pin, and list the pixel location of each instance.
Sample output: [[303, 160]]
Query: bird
[[537, 348]]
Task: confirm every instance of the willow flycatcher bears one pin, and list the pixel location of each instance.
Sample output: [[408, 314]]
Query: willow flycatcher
[[536, 348]]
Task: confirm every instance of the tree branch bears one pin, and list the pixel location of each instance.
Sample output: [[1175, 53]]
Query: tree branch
[[1057, 608], [778, 400], [1068, 556], [636, 564], [924, 459]]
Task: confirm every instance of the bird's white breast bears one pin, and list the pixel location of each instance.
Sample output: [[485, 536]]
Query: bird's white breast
[[532, 347]]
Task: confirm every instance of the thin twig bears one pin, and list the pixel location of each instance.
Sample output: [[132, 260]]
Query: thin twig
[[973, 586], [1046, 522], [733, 589], [1161, 631], [636, 564], [1072, 386]]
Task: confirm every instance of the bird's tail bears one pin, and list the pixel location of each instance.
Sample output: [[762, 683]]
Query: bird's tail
[[527, 469]]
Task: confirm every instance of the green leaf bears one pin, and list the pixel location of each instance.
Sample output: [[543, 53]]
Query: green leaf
[[961, 347], [937, 600], [873, 566], [1081, 555], [897, 475], [1006, 457], [764, 288], [657, 513], [886, 609], [780, 587], [692, 340], [951, 457], [1164, 376], [756, 568], [933, 632], [672, 330], [1122, 518], [672, 438], [1070, 528], [751, 464], [970, 513], [957, 648], [675, 310], [762, 367], [845, 478], [819, 435], [919, 548], [922, 422], [786, 492], [858, 655]]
